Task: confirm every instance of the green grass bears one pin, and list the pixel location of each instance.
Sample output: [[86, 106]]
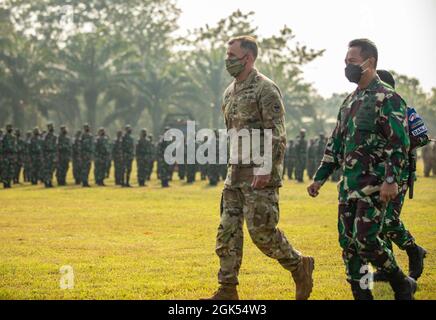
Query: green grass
[[153, 243]]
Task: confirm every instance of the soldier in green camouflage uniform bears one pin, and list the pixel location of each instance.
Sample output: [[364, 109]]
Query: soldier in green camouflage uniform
[[213, 172], [21, 148], [86, 154], [143, 153], [49, 153], [128, 155], [9, 153], [100, 156], [370, 141], [164, 169], [77, 169], [252, 101], [152, 158], [36, 157], [1, 154], [300, 156], [117, 155], [109, 158], [64, 155], [27, 164], [290, 159]]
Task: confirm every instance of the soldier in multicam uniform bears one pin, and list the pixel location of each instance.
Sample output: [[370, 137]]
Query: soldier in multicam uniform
[[100, 157], [49, 153], [27, 164], [117, 155], [64, 156], [21, 149], [36, 156], [128, 146], [253, 101], [86, 154], [300, 155], [9, 153], [371, 142], [143, 153], [77, 169]]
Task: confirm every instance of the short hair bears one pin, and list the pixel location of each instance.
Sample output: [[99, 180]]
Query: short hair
[[368, 49], [387, 77], [248, 43]]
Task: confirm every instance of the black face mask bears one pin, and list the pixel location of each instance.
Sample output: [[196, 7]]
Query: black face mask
[[354, 72]]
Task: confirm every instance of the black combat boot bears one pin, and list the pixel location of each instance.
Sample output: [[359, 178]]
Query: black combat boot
[[404, 287], [359, 293], [86, 184], [165, 184], [416, 256], [224, 292]]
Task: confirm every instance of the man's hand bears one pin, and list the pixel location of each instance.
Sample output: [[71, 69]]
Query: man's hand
[[388, 191], [313, 189], [259, 182]]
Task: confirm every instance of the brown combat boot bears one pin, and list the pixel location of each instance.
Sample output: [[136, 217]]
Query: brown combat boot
[[224, 292], [303, 278]]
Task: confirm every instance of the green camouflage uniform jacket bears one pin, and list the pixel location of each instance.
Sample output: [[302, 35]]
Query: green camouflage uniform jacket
[[370, 141]]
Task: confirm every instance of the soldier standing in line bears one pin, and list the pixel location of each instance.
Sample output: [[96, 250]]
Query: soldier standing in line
[[49, 152], [152, 158], [128, 146], [301, 155], [163, 167], [9, 153], [77, 169], [27, 164], [86, 154], [36, 156], [143, 153], [101, 155], [117, 155], [64, 156], [21, 147]]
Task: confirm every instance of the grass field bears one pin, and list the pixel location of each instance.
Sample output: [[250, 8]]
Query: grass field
[[153, 243]]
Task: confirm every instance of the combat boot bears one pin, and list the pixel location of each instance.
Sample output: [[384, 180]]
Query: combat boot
[[358, 292], [416, 256], [224, 292], [404, 287], [303, 278]]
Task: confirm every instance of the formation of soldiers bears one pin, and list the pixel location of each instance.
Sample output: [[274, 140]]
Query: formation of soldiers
[[302, 155], [40, 156], [429, 159]]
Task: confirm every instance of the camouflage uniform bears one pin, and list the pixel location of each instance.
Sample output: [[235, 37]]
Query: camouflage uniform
[[300, 156], [117, 155], [164, 169], [370, 141], [86, 154], [21, 149], [64, 156], [100, 159], [128, 155], [9, 154], [255, 102], [152, 158], [143, 153], [109, 158], [27, 164], [77, 169], [49, 153], [36, 156], [427, 154], [213, 172], [291, 158]]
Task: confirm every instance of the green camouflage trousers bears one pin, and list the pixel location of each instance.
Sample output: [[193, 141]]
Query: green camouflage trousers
[[49, 166], [360, 223], [260, 209], [394, 229], [141, 167]]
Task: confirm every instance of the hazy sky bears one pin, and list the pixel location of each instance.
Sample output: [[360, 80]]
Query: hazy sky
[[403, 30]]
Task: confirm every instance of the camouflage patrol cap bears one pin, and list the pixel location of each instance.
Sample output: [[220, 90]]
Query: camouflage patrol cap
[[86, 125], [63, 127], [127, 126], [303, 130], [144, 130], [9, 125], [50, 124]]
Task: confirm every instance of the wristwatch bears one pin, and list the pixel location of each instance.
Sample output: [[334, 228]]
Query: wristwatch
[[390, 180]]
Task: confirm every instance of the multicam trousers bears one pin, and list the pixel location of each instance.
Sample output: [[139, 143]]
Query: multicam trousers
[[360, 223], [260, 210]]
